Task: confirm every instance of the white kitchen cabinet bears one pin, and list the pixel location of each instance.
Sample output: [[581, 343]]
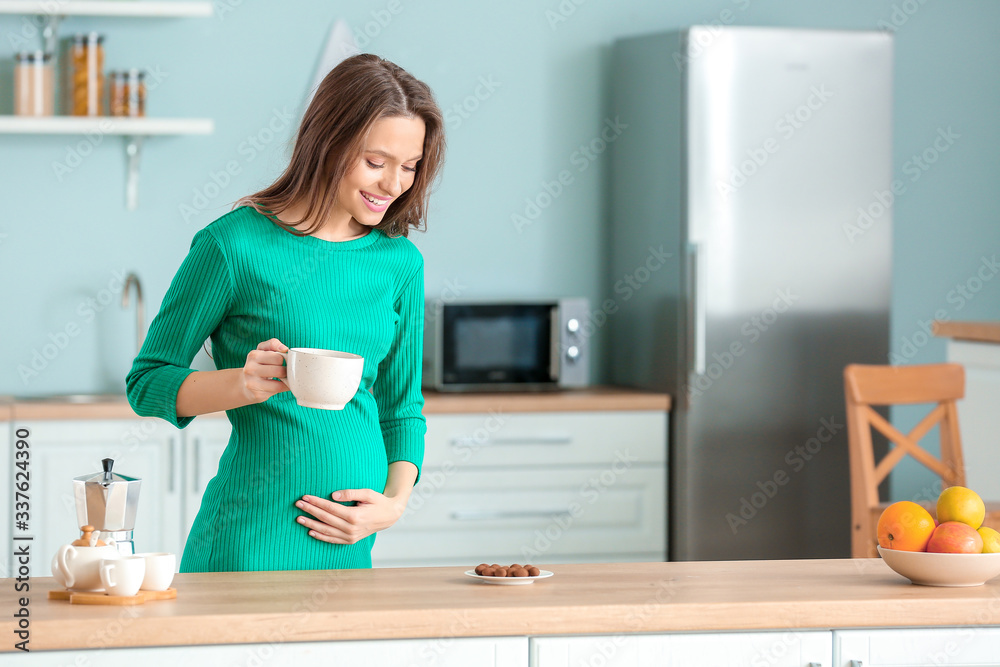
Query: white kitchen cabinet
[[736, 649], [978, 417], [917, 647], [537, 487], [204, 441], [61, 450], [441, 652]]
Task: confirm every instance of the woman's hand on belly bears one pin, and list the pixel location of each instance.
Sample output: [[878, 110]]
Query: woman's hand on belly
[[341, 524]]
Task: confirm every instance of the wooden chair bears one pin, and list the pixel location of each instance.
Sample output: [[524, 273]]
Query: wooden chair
[[866, 386]]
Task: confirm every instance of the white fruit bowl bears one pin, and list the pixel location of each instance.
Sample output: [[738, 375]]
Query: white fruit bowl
[[930, 569]]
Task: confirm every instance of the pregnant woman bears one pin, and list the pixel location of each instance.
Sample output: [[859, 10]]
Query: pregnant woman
[[318, 259]]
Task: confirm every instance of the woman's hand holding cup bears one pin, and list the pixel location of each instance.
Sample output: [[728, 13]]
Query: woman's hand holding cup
[[262, 365]]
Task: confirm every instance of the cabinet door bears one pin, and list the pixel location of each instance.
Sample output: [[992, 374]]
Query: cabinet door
[[205, 440], [516, 514], [737, 649], [61, 450], [912, 647], [443, 652]]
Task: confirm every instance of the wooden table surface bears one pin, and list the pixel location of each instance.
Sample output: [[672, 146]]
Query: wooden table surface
[[227, 608]]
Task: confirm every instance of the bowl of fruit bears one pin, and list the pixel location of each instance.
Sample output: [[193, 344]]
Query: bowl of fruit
[[953, 550]]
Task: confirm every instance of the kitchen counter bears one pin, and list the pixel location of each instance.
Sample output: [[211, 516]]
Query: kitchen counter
[[584, 400], [983, 332], [234, 608]]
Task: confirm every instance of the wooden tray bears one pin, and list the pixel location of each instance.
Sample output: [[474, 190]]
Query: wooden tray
[[79, 597]]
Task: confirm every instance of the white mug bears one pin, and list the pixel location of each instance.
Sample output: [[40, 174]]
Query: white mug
[[324, 379], [160, 570], [123, 576]]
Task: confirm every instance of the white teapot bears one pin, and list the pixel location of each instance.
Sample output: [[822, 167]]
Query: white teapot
[[77, 565]]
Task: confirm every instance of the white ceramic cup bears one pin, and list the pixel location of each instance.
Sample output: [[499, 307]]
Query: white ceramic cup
[[324, 379], [160, 570], [123, 576]]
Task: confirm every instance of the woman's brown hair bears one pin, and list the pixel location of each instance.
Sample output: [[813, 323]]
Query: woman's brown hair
[[359, 91]]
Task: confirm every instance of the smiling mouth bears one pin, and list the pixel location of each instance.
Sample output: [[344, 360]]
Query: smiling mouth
[[374, 200]]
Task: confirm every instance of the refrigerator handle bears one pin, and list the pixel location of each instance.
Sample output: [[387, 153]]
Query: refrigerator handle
[[696, 312]]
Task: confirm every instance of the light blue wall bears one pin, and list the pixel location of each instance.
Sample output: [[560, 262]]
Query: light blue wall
[[64, 236]]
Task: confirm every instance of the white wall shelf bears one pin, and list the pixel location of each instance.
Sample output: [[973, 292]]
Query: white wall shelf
[[134, 130], [107, 8], [145, 127]]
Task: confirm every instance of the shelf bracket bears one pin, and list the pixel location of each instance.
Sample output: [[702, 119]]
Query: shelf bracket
[[133, 151], [50, 32]]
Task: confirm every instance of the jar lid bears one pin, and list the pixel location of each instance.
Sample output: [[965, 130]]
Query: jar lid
[[33, 57], [82, 37]]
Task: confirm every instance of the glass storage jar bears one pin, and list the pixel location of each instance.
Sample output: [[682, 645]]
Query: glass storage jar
[[85, 75], [128, 93], [34, 84]]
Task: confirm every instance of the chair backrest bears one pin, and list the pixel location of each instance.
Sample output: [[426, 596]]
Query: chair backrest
[[866, 386]]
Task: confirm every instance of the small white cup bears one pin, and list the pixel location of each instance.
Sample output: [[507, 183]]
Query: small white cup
[[122, 576], [324, 379], [160, 570]]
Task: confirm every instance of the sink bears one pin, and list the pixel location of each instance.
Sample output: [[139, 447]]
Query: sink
[[73, 398]]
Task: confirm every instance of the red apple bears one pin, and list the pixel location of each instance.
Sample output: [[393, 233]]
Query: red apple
[[952, 537]]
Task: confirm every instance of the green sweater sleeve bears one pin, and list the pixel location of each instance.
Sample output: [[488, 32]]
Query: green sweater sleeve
[[397, 387], [197, 300]]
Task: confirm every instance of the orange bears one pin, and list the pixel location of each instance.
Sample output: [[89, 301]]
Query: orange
[[905, 526], [957, 503]]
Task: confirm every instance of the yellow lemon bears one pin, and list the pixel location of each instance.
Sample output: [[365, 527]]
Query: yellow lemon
[[991, 540], [957, 503]]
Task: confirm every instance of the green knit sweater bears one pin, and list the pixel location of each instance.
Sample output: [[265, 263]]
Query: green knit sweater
[[247, 280]]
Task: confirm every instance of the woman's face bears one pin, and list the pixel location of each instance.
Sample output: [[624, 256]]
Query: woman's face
[[385, 170]]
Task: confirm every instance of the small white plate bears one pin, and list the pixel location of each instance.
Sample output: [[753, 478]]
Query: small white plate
[[509, 581]]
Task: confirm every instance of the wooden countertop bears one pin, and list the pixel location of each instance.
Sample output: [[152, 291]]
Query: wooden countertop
[[584, 400], [579, 400], [238, 607], [983, 332]]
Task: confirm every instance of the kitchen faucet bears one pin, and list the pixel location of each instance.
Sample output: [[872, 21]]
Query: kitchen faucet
[[133, 279]]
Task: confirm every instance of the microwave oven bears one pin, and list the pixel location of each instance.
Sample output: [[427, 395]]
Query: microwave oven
[[506, 346]]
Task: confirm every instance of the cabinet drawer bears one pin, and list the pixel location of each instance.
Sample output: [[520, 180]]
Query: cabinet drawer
[[732, 649], [918, 646], [531, 515], [558, 438]]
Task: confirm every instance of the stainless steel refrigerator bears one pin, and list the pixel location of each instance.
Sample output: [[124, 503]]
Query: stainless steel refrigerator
[[750, 244]]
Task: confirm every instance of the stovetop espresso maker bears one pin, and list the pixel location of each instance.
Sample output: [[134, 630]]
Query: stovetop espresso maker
[[108, 502]]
